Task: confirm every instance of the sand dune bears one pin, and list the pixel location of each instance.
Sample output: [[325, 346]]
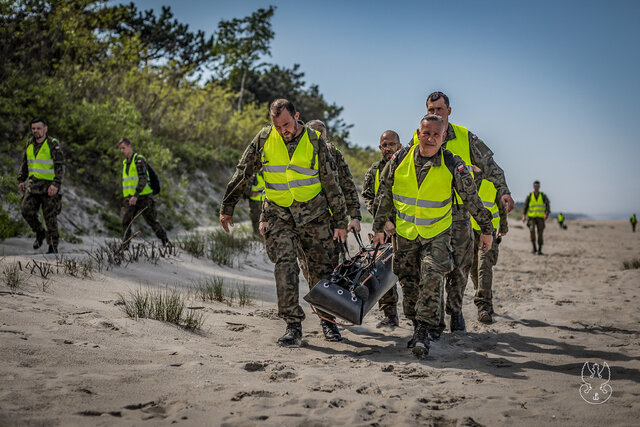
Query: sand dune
[[71, 357]]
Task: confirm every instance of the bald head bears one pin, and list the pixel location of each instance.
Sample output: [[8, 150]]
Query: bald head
[[389, 143], [318, 125]]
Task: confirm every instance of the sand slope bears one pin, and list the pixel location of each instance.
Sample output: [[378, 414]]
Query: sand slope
[[71, 357]]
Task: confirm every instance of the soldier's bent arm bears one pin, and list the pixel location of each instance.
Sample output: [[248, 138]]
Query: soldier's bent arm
[[368, 189], [328, 173], [482, 156], [502, 211], [466, 188], [385, 197], [547, 204], [348, 187], [24, 169], [58, 162], [249, 164], [141, 168], [526, 204]]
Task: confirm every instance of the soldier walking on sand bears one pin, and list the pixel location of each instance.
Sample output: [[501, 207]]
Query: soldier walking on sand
[[633, 221], [561, 221], [301, 186], [536, 212], [389, 144], [39, 180], [418, 182], [138, 195]]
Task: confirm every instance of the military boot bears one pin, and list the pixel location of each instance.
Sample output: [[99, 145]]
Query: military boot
[[52, 250], [434, 334], [40, 235], [292, 336], [484, 316], [390, 321], [331, 331], [412, 341], [535, 249], [457, 323], [540, 250], [421, 348]]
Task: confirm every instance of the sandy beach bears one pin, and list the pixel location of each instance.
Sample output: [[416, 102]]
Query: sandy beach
[[70, 356]]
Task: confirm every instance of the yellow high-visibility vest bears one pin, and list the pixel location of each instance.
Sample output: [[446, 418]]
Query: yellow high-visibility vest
[[424, 211], [376, 184], [130, 180], [41, 166], [487, 193], [459, 146], [536, 206], [258, 188], [288, 179]]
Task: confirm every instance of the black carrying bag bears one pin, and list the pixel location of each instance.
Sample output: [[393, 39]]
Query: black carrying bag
[[154, 181], [356, 285]]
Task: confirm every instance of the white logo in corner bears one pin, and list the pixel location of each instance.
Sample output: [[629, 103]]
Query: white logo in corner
[[595, 388]]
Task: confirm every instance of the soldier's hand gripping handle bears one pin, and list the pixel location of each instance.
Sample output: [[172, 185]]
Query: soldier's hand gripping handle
[[486, 240], [378, 239], [340, 234], [226, 221]]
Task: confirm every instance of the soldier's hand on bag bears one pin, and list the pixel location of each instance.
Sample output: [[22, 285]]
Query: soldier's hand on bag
[[226, 221], [354, 225], [263, 227], [546, 216], [508, 202], [21, 187], [389, 228], [133, 200], [524, 218], [485, 242], [52, 191], [378, 239], [340, 233]]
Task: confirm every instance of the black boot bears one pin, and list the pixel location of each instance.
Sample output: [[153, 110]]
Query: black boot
[[412, 341], [52, 250], [421, 348], [540, 250], [535, 249], [292, 336], [434, 334], [40, 235], [457, 322], [331, 331], [390, 321]]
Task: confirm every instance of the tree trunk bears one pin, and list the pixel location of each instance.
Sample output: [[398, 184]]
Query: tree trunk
[[244, 76]]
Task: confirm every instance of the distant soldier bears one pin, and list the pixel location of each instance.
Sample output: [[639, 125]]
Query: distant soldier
[[418, 183], [633, 221], [536, 212], [301, 187], [40, 179], [137, 193], [389, 144], [483, 263], [256, 198], [561, 221]]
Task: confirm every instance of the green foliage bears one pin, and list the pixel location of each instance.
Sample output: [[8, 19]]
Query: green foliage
[[631, 264], [11, 222]]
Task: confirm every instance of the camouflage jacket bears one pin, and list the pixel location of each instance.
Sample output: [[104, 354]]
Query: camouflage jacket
[[345, 180], [301, 213], [462, 182], [40, 186], [141, 167], [369, 186]]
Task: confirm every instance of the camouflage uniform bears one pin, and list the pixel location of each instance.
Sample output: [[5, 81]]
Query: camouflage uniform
[[422, 288], [350, 193], [36, 194], [255, 206], [304, 223], [389, 301], [144, 204], [482, 269], [536, 223]]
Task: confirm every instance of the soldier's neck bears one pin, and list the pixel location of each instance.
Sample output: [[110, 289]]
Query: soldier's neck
[[40, 140]]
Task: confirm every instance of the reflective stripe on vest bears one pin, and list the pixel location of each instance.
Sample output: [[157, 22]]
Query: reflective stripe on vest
[[536, 206], [288, 179], [424, 211], [258, 188], [459, 146], [130, 180], [41, 166], [487, 193], [376, 184]]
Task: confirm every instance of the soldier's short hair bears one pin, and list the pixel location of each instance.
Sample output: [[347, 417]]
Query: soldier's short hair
[[125, 141], [38, 120], [536, 182], [276, 107], [434, 96], [317, 125], [432, 118], [391, 133]]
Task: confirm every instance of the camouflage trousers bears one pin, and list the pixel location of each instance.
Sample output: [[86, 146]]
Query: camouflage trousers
[[421, 266], [51, 207], [482, 272], [146, 205], [533, 224], [255, 209], [389, 301], [317, 251]]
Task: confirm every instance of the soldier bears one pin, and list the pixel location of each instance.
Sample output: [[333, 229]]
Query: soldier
[[349, 191], [301, 186], [633, 221], [419, 181], [255, 195], [536, 212], [482, 268], [389, 144], [561, 221], [137, 194], [473, 151], [40, 179]]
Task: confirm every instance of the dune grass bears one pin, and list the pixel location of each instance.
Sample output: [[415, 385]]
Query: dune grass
[[218, 246], [167, 305], [631, 264]]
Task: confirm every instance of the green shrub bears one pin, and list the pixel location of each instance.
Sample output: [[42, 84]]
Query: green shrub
[[167, 305], [631, 264]]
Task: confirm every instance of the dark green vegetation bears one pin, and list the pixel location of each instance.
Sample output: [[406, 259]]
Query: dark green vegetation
[[98, 72], [631, 264], [167, 305]]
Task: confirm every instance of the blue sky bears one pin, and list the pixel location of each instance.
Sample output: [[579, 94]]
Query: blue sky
[[552, 87]]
